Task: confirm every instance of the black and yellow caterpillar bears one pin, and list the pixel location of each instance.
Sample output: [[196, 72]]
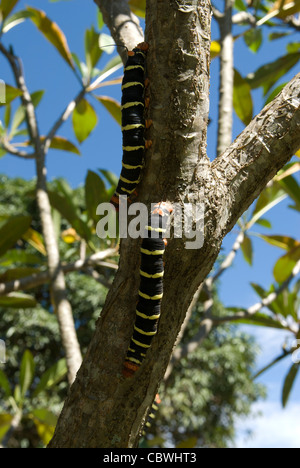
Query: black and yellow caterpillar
[[151, 287], [152, 414], [133, 122]]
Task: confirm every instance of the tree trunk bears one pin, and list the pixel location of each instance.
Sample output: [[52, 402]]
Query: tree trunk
[[103, 409]]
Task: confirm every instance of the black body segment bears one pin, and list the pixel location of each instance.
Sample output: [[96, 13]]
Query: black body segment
[[133, 122], [151, 288]]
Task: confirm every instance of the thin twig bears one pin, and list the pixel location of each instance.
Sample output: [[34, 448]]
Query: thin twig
[[37, 279], [252, 310]]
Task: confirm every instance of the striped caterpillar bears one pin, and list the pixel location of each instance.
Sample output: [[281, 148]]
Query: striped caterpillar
[[152, 414], [151, 288], [133, 122]]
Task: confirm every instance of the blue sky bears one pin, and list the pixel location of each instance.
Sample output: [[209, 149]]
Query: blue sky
[[45, 69]]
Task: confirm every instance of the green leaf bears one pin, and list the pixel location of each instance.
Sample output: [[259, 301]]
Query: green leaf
[[274, 93], [17, 273], [52, 33], [52, 376], [6, 7], [92, 49], [242, 100], [26, 372], [15, 19], [20, 114], [95, 193], [269, 198], [285, 264], [45, 422], [7, 115], [283, 242], [277, 35], [5, 423], [110, 177], [18, 301], [253, 39], [65, 206], [100, 21], [292, 188], [247, 250], [12, 230], [267, 75], [84, 120], [293, 47], [113, 107], [35, 239], [4, 384], [264, 222], [138, 7], [59, 143], [11, 93], [258, 319], [239, 5], [275, 361], [191, 442], [15, 256], [288, 383]]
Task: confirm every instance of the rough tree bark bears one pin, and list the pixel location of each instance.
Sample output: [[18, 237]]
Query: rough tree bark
[[103, 409]]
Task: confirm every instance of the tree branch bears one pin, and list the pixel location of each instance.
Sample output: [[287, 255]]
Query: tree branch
[[58, 287], [226, 79], [11, 149], [37, 279], [124, 26], [177, 169], [63, 118], [263, 303]]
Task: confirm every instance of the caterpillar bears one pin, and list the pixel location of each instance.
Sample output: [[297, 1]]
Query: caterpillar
[[152, 413], [133, 122], [151, 287]]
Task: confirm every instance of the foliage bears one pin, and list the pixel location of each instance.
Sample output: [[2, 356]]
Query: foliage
[[212, 385], [208, 390]]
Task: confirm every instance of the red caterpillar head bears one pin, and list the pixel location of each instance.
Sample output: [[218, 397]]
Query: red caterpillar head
[[144, 46]]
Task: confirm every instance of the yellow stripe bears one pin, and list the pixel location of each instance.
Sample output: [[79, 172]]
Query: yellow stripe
[[142, 332], [132, 127], [132, 350], [129, 181], [132, 83], [132, 148], [143, 345], [150, 252], [133, 67], [125, 190], [136, 361], [150, 228], [156, 275], [132, 104], [155, 407], [147, 317], [128, 166], [152, 298]]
